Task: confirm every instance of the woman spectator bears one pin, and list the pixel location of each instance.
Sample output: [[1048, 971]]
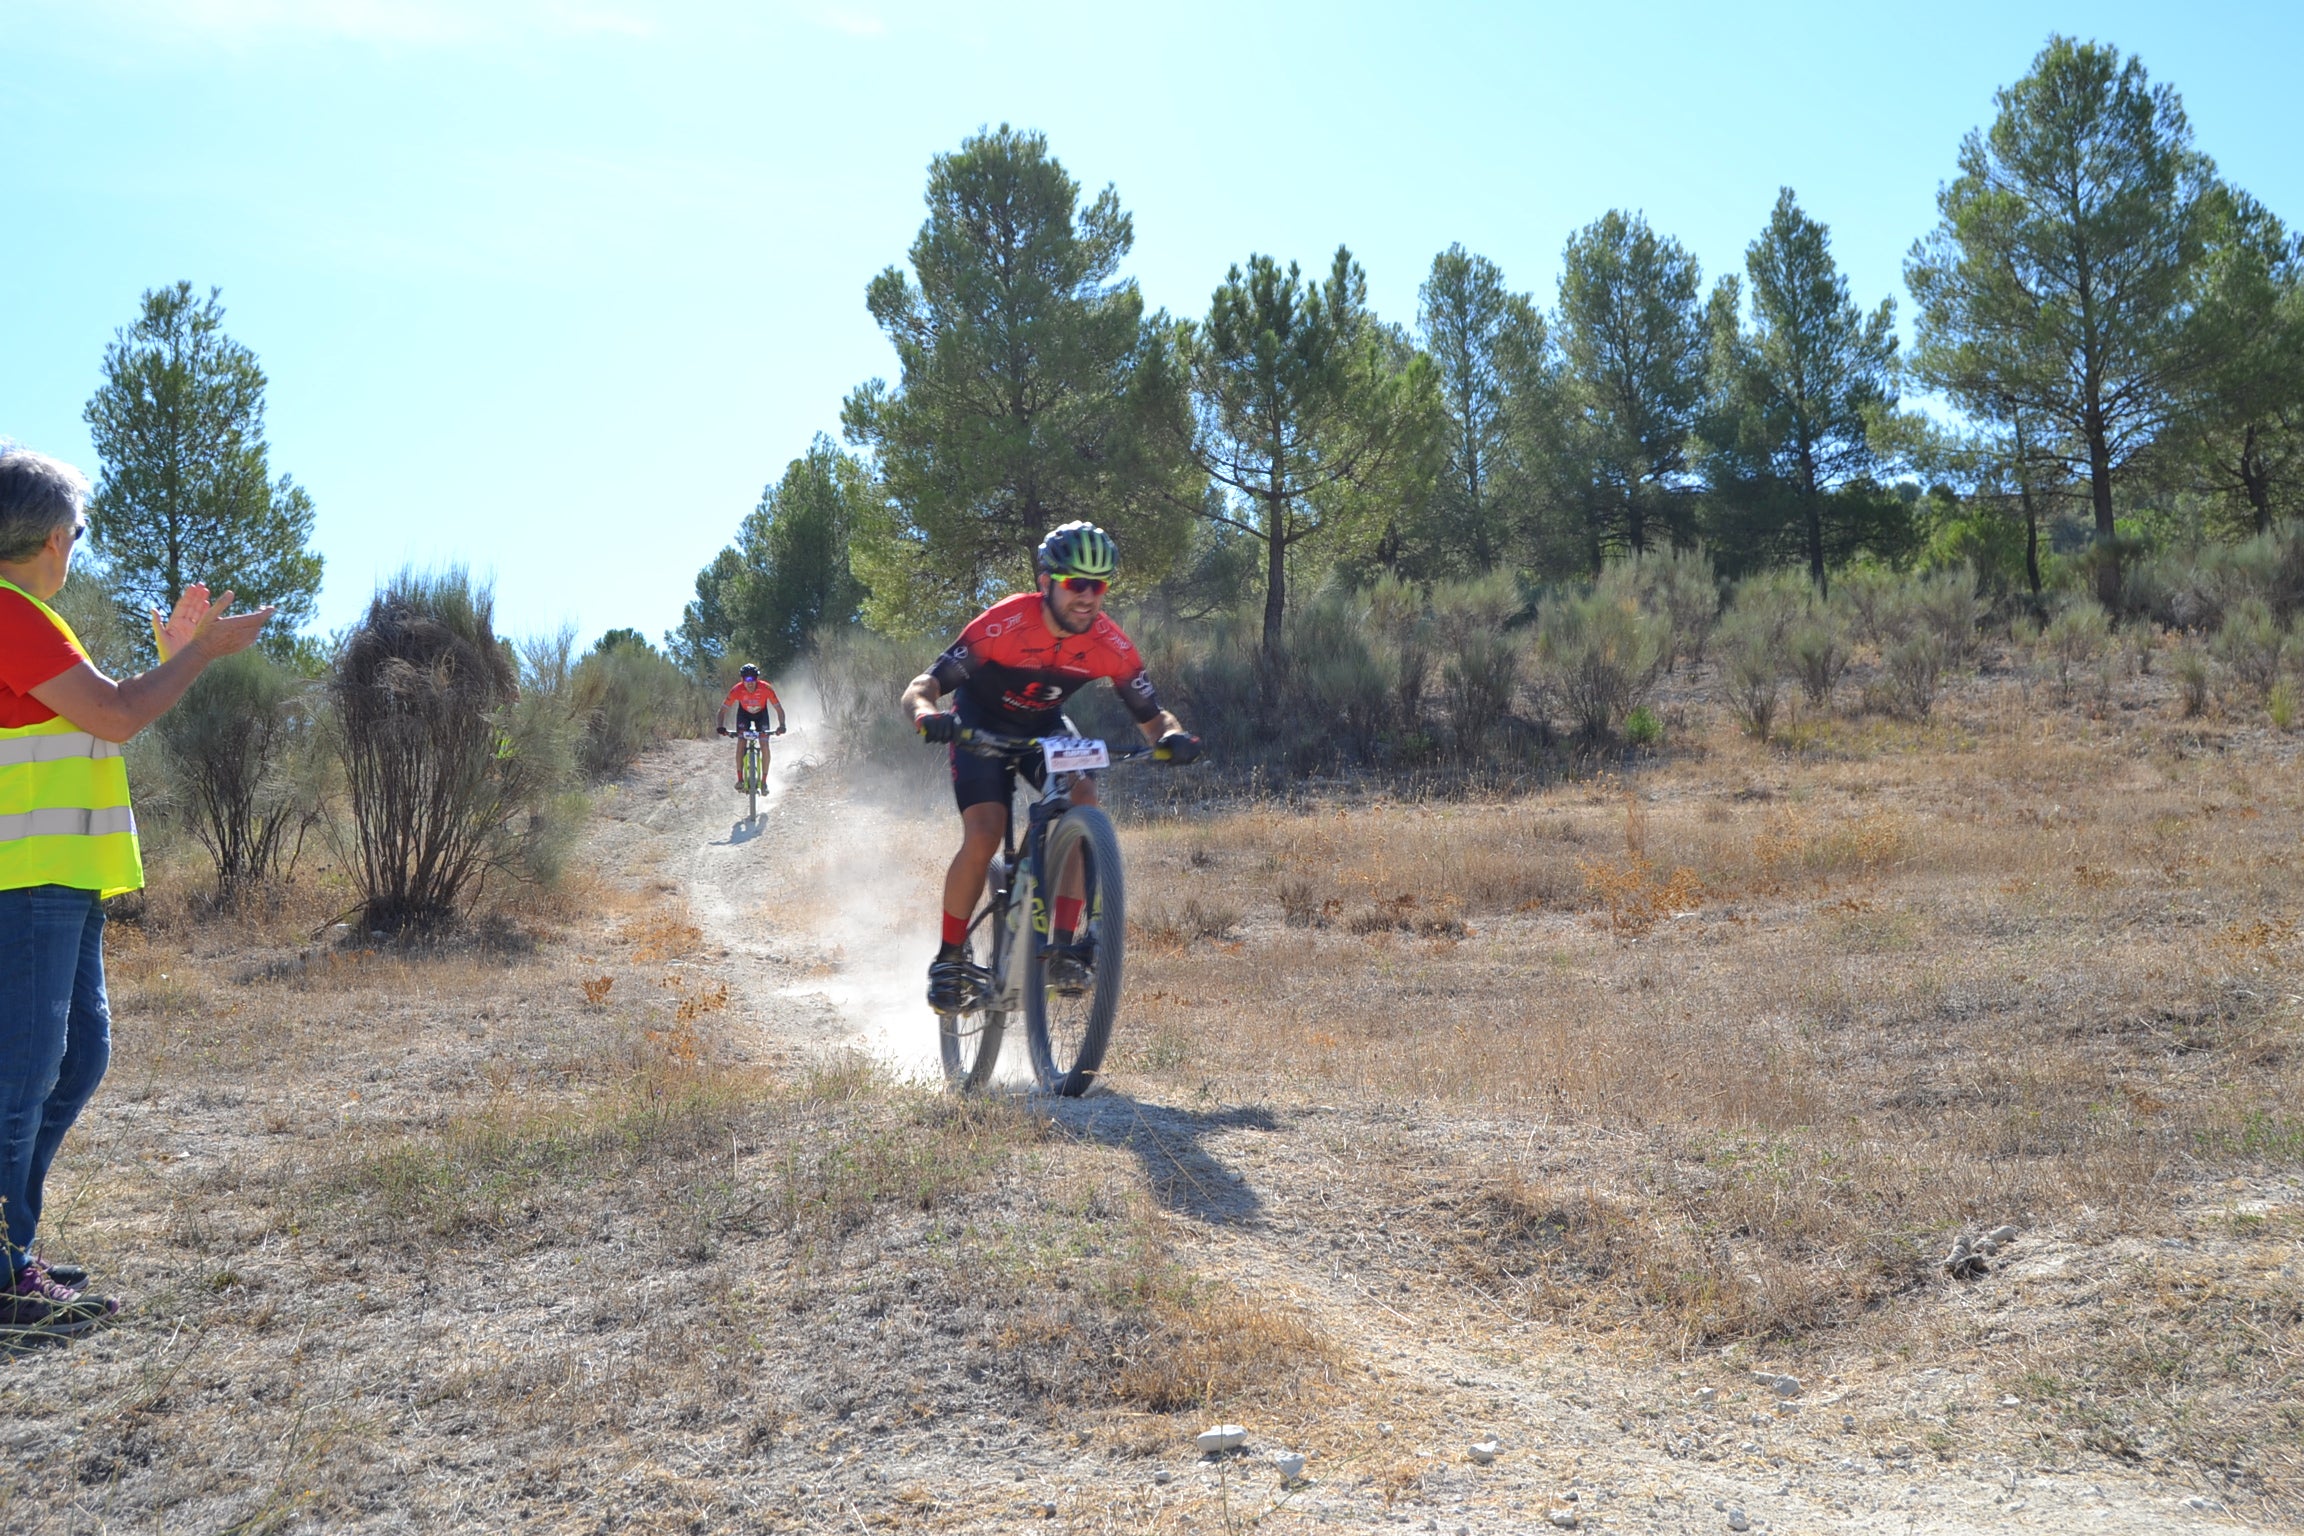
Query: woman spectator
[[67, 841]]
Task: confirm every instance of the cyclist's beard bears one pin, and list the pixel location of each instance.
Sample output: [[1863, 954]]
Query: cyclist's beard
[[1057, 619]]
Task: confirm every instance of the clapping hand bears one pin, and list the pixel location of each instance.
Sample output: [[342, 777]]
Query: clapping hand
[[173, 633], [196, 620]]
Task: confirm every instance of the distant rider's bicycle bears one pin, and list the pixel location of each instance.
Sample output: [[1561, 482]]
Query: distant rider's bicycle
[[1066, 985], [752, 768]]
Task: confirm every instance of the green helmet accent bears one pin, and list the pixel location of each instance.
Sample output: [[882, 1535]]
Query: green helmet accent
[[1079, 549]]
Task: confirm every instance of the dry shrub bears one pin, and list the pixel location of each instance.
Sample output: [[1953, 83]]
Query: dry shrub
[[1702, 1265], [1130, 1325], [1187, 1343], [1299, 902], [438, 760], [1635, 896], [1171, 928], [663, 934], [234, 748]]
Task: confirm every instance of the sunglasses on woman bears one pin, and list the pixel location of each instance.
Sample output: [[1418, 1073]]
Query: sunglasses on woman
[[1086, 584]]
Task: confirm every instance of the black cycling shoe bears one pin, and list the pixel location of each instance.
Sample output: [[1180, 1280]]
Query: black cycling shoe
[[1070, 969], [952, 983]]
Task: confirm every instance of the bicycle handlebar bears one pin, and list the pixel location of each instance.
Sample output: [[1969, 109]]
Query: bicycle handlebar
[[993, 744]]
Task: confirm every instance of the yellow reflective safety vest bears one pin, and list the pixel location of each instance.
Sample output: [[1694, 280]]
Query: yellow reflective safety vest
[[64, 816]]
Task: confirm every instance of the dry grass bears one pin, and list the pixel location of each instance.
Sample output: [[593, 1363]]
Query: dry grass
[[1830, 1004]]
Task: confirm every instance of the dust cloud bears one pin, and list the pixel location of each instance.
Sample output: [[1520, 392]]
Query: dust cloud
[[868, 845]]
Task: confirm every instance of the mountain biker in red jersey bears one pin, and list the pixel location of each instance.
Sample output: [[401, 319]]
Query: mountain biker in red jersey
[[1010, 672], [751, 698]]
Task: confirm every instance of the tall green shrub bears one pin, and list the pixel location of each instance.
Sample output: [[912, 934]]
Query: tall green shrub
[[228, 746], [2074, 641], [1598, 653], [1754, 645]]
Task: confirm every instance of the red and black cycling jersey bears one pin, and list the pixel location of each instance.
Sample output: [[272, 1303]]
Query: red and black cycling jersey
[[1013, 670]]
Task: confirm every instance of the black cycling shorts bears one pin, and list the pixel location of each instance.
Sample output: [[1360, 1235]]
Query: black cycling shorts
[[991, 780], [755, 718]]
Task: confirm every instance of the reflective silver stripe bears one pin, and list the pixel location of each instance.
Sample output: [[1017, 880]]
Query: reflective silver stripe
[[56, 747], [67, 821]]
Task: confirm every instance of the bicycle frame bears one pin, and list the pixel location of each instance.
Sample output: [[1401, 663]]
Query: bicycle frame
[[753, 738], [1016, 894]]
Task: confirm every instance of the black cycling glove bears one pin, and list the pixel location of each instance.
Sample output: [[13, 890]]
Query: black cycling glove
[[1177, 747], [941, 726]]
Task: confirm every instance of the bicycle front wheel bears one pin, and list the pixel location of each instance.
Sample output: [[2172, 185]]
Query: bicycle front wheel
[[970, 1042], [1072, 989]]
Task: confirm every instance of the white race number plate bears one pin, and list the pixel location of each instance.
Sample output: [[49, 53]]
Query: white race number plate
[[1073, 754]]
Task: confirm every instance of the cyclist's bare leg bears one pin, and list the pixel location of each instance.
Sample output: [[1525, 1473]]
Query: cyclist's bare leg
[[1072, 879], [981, 828]]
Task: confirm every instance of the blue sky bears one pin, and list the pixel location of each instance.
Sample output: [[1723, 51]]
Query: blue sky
[[552, 287]]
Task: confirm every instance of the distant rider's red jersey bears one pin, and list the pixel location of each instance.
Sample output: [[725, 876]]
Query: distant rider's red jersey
[[1013, 670], [753, 698]]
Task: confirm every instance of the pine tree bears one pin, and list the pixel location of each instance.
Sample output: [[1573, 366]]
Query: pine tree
[[1018, 404], [1635, 341], [766, 597], [186, 493], [1485, 342], [1800, 390], [1299, 397], [2058, 285]]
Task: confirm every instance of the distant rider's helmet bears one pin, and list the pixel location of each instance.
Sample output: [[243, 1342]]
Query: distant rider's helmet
[[1079, 549], [750, 673]]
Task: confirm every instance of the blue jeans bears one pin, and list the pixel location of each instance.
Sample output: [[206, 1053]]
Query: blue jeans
[[55, 1039]]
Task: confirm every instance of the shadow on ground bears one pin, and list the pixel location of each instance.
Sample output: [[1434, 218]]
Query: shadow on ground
[[1184, 1176], [743, 832]]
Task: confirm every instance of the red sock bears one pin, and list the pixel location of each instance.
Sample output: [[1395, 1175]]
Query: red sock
[[1067, 913], [955, 929]]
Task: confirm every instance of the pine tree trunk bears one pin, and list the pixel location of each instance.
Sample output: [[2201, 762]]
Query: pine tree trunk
[[2255, 481], [1275, 581], [2100, 493]]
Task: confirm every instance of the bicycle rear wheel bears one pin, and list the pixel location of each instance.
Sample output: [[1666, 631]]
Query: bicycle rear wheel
[[1069, 1024], [970, 1042]]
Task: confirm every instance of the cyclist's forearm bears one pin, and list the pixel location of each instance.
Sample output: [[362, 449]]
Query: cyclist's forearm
[[921, 696]]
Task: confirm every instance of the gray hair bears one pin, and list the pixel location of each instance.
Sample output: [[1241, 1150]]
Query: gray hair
[[38, 495]]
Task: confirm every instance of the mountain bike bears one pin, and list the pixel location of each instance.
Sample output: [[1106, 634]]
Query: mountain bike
[[752, 768], [1066, 985]]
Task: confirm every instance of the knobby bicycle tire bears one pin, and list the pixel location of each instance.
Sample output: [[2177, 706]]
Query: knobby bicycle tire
[[1068, 1050], [970, 1042]]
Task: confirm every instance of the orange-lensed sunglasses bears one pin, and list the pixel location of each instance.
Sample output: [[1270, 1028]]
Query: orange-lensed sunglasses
[[1088, 584]]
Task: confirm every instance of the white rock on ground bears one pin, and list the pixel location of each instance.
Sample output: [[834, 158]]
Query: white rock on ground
[[1563, 1518], [1738, 1520], [1290, 1465], [1485, 1451], [1221, 1437]]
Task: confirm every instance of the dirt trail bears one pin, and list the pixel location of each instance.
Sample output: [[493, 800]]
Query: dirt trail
[[816, 948], [825, 951]]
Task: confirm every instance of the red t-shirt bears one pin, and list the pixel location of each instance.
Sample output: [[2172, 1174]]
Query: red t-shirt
[[32, 651]]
